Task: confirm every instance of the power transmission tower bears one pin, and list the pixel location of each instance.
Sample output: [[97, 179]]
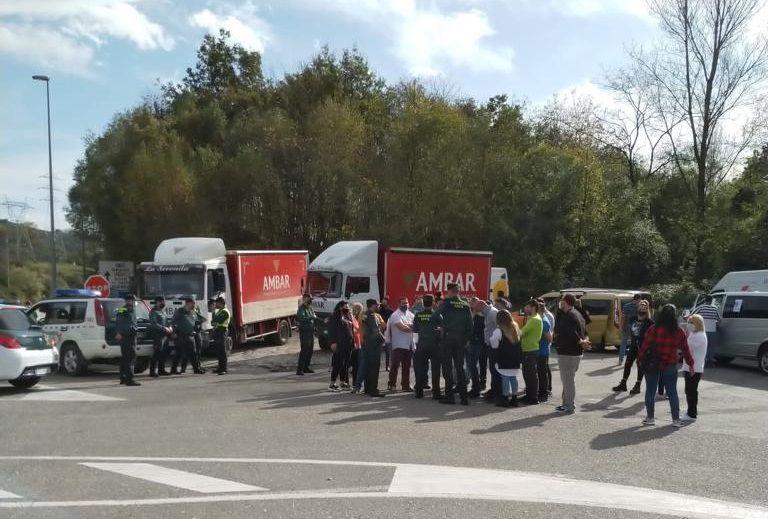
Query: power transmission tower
[[16, 212]]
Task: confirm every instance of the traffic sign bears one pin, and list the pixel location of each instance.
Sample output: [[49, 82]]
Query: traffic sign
[[98, 282]]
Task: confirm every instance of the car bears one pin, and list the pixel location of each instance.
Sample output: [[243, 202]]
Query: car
[[26, 353], [84, 324]]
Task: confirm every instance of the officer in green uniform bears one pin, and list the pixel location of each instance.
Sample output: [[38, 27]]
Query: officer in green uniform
[[306, 321], [456, 331], [220, 323], [183, 323], [125, 321], [426, 325], [373, 340], [159, 333]]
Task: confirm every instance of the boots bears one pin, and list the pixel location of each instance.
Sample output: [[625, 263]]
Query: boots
[[513, 401], [622, 386], [635, 389]]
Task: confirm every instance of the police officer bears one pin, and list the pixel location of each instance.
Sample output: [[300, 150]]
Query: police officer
[[159, 332], [306, 320], [183, 324], [456, 331], [426, 325], [373, 340], [220, 323], [126, 334]]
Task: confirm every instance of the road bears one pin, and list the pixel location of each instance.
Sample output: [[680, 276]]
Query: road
[[262, 442]]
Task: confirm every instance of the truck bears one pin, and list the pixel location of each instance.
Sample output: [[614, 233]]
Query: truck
[[262, 288], [356, 271]]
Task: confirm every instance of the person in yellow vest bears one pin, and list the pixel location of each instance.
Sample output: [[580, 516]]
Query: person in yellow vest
[[220, 323]]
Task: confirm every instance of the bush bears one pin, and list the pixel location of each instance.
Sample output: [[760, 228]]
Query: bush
[[682, 295]]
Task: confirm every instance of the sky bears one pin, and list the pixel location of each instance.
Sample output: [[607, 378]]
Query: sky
[[104, 56]]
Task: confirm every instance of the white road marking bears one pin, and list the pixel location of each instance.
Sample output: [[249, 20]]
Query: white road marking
[[7, 495], [174, 478], [65, 395], [538, 488], [437, 482]]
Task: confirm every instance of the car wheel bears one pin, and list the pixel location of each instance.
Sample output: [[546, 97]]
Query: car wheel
[[141, 365], [283, 333], [25, 383], [72, 361], [762, 359], [723, 360]]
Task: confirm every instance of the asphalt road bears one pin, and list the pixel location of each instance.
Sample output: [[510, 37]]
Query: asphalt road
[[262, 442]]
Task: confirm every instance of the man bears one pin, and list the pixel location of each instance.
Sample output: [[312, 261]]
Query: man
[[306, 319], [373, 340], [220, 324], [159, 333], [488, 313], [456, 330], [400, 328], [126, 335], [628, 318], [418, 305], [570, 342], [386, 312], [476, 345], [183, 322], [426, 325], [530, 336], [542, 361], [711, 314]]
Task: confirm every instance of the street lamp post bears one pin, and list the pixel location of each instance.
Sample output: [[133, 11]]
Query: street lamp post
[[50, 179]]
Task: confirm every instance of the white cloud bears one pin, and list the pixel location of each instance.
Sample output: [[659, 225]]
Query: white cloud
[[429, 40], [243, 25], [63, 34], [587, 8]]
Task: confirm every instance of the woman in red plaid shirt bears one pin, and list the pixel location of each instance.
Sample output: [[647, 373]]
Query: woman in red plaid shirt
[[659, 355]]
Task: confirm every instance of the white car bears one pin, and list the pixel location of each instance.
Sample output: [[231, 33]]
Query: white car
[[84, 324], [26, 353]]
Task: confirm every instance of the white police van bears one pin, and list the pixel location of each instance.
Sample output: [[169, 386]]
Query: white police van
[[84, 324]]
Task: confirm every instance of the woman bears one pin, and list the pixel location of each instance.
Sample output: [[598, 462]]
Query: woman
[[637, 333], [509, 355], [658, 355], [342, 339], [697, 343], [356, 359]]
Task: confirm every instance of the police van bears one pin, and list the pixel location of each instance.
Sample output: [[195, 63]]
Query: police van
[[84, 325]]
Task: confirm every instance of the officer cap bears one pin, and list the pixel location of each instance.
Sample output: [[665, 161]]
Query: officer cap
[[452, 286]]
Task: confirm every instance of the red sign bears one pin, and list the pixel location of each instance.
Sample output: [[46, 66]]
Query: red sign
[[99, 283], [411, 273]]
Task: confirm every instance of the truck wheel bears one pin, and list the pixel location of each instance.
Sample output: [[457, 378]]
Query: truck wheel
[[229, 345], [282, 335], [25, 383], [322, 341], [72, 361], [141, 365]]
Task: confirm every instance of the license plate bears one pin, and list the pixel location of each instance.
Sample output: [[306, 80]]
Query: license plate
[[42, 371]]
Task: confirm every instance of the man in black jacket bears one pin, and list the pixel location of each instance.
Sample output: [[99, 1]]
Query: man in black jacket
[[570, 343]]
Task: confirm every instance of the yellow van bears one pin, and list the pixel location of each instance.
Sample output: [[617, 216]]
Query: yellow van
[[604, 307]]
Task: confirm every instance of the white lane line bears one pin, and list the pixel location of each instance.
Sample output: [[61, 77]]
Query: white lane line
[[7, 495], [174, 478], [539, 488]]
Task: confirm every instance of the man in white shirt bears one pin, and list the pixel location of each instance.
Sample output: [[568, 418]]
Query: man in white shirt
[[400, 335]]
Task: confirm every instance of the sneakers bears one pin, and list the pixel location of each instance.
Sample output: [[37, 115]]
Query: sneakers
[[677, 423], [345, 386], [333, 388], [635, 389], [649, 421], [355, 390], [686, 418]]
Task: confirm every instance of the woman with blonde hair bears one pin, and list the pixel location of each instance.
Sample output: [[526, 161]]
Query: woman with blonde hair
[[509, 355], [697, 343]]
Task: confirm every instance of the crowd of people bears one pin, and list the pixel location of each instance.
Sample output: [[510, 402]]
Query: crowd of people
[[466, 343]]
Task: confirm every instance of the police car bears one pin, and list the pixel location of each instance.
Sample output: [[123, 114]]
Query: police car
[[26, 353], [83, 323]]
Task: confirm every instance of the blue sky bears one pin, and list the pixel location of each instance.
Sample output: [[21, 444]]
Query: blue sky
[[103, 56]]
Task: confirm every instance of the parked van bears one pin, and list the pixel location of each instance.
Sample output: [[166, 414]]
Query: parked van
[[604, 307], [743, 329]]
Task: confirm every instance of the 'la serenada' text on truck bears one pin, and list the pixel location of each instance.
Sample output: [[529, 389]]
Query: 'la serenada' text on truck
[[360, 270], [262, 288]]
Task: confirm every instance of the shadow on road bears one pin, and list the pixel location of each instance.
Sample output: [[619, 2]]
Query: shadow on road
[[631, 436], [743, 374], [515, 425]]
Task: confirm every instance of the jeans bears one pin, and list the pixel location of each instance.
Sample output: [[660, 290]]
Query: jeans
[[473, 361], [495, 389], [668, 377], [545, 376], [711, 347], [631, 361], [626, 337], [508, 385], [692, 393], [531, 375], [569, 365], [427, 353], [307, 342], [127, 358], [362, 366], [401, 357], [452, 354]]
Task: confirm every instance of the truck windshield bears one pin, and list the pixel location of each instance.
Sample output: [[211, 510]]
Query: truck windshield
[[327, 284], [173, 285]]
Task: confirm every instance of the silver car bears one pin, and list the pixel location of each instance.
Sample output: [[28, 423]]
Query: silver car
[[743, 330]]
